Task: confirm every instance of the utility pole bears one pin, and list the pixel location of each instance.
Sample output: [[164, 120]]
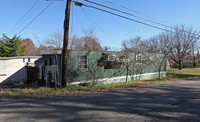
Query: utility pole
[[65, 43]]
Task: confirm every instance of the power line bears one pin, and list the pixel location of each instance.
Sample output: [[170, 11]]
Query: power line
[[133, 10], [10, 11], [81, 4], [24, 16], [35, 18], [129, 14], [145, 15], [92, 19], [138, 16]]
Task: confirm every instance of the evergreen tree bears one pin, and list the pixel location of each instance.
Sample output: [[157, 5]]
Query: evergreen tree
[[10, 47]]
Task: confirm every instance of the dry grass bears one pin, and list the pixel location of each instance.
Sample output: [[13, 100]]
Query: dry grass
[[48, 92]]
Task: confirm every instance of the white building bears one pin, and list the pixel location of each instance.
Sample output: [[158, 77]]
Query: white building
[[13, 69]]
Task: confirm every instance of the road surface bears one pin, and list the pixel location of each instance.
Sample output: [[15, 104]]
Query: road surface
[[171, 101]]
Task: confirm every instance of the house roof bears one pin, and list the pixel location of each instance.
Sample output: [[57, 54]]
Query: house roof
[[50, 51], [40, 61], [20, 57]]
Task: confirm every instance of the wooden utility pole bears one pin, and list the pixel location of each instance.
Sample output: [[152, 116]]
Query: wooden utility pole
[[65, 43]]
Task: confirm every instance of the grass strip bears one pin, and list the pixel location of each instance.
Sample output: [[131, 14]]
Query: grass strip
[[48, 92]]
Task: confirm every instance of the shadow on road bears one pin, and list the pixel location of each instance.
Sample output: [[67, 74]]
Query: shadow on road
[[173, 101]]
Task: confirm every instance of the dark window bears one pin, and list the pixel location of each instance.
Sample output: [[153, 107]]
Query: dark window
[[82, 62], [45, 62], [50, 61]]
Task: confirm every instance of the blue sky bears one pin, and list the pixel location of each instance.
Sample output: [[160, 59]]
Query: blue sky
[[109, 29]]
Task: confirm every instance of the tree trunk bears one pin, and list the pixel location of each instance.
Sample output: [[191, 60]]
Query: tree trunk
[[133, 73], [180, 65], [194, 62], [159, 72], [127, 75]]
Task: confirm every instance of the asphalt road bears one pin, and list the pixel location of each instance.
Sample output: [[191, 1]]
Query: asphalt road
[[172, 101]]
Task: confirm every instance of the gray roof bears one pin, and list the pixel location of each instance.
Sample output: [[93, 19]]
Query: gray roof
[[20, 57], [50, 51]]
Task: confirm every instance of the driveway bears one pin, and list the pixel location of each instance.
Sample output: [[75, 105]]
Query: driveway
[[171, 101]]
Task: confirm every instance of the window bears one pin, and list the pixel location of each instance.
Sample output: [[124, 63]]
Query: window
[[139, 59], [45, 63], [108, 57], [50, 61], [124, 60], [82, 62], [111, 58]]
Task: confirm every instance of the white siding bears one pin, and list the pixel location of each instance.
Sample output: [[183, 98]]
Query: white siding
[[13, 69]]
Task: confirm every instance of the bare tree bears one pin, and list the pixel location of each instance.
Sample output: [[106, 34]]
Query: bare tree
[[75, 43], [95, 73], [157, 49], [132, 45], [55, 39], [183, 41], [87, 42], [153, 51], [135, 65], [89, 32], [126, 62]]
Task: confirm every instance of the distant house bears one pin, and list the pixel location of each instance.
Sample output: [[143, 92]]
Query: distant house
[[15, 69], [96, 66]]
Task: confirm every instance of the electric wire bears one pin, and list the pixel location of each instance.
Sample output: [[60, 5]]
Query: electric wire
[[138, 16], [133, 10], [128, 18], [129, 14], [34, 18], [24, 16], [81, 4], [26, 19], [9, 12], [93, 21]]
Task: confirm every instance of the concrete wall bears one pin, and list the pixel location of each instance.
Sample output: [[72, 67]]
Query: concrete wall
[[12, 69]]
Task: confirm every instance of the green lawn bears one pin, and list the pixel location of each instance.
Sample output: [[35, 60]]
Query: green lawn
[[47, 92]]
